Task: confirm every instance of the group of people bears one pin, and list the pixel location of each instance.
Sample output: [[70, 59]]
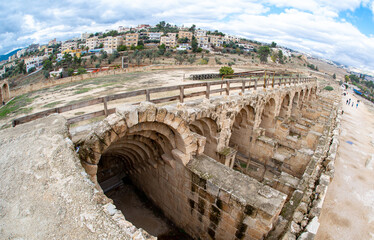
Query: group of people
[[348, 102]]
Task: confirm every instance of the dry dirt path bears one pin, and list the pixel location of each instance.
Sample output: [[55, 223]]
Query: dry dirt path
[[348, 210]]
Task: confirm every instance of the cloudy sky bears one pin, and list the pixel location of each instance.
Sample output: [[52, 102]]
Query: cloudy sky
[[340, 30]]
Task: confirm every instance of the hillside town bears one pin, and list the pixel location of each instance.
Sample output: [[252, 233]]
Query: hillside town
[[54, 58]]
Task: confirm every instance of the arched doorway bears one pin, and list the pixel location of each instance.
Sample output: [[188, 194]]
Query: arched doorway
[[208, 128], [295, 102], [141, 175], [284, 107], [268, 117], [242, 130]]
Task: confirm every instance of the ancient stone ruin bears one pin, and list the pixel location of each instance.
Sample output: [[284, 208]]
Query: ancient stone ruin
[[4, 91], [244, 166]]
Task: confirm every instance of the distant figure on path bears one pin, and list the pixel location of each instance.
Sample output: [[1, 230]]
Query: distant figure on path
[[353, 103], [347, 102], [356, 105]]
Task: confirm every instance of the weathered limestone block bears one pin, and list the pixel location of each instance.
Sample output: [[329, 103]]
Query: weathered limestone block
[[129, 113]]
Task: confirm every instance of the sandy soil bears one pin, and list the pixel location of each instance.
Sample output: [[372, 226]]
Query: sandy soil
[[348, 210]]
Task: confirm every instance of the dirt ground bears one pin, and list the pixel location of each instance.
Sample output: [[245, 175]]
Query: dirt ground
[[348, 210]]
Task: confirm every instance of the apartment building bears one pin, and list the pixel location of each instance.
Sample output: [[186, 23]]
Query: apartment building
[[185, 34], [85, 35], [203, 41], [33, 62], [21, 52], [200, 33], [122, 29], [215, 40], [92, 42], [131, 39], [154, 36], [69, 45], [229, 38], [113, 42], [169, 41]]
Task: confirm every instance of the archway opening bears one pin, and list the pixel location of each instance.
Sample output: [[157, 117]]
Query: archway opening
[[284, 107], [138, 172], [5, 92], [1, 96], [295, 102], [268, 117], [242, 129], [209, 129]]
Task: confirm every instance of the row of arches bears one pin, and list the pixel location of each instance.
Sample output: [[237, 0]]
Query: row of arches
[[150, 152]]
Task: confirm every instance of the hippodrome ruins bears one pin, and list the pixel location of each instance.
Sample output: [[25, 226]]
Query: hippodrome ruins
[[252, 163]]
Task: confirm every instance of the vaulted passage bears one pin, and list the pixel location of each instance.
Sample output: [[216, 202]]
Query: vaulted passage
[[242, 129], [268, 117], [295, 102], [284, 107], [208, 128], [137, 172]]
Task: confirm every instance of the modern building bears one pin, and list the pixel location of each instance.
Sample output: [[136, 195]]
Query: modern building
[[113, 42], [200, 33], [215, 40], [229, 38], [170, 42], [33, 62], [131, 39], [154, 36], [122, 29], [69, 45], [203, 42], [84, 36], [21, 52], [185, 34]]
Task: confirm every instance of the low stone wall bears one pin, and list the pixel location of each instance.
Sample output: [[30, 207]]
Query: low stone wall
[[225, 204]]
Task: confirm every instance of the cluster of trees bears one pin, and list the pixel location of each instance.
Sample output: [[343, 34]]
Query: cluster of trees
[[312, 66]]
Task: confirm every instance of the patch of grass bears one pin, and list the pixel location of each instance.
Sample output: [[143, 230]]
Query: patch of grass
[[82, 90], [17, 105], [79, 113], [52, 104]]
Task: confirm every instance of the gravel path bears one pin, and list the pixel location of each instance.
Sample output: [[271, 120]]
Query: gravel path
[[348, 211]]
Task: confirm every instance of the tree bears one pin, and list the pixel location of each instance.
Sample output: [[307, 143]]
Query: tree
[[161, 49], [121, 48], [47, 65], [263, 53], [70, 71], [280, 56], [194, 44], [226, 70], [81, 70], [273, 45], [346, 78], [192, 28], [334, 76]]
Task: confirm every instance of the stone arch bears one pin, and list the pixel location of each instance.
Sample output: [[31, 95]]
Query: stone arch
[[242, 129], [5, 93], [307, 95], [1, 96], [285, 106], [268, 115], [295, 103], [208, 128]]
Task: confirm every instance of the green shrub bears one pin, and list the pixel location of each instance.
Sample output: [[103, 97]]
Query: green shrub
[[226, 70], [329, 88]]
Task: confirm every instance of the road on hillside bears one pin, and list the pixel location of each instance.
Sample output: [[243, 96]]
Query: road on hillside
[[348, 210]]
